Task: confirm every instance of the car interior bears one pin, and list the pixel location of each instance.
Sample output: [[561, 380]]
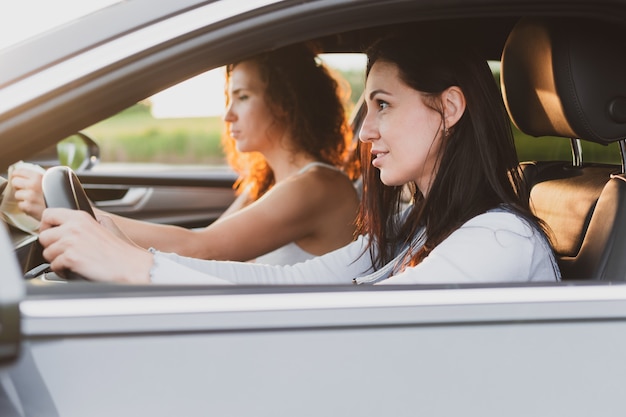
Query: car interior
[[558, 81], [570, 84]]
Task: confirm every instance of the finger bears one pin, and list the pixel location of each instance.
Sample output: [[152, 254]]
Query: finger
[[26, 184], [60, 263], [52, 251], [52, 217], [51, 240], [49, 219], [26, 206], [62, 259], [21, 194], [18, 182], [28, 195], [26, 173], [64, 241]]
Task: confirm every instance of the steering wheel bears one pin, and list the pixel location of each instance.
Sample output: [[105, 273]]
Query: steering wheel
[[62, 189]]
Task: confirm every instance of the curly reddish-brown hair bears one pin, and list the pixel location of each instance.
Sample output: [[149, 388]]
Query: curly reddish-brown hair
[[303, 95]]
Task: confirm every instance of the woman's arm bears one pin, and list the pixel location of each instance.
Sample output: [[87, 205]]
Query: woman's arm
[[73, 240], [292, 210], [337, 267], [491, 247], [164, 237]]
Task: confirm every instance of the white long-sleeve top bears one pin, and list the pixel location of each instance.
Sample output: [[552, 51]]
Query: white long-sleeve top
[[497, 246]]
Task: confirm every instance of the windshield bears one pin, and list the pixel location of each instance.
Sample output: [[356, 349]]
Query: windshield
[[20, 20]]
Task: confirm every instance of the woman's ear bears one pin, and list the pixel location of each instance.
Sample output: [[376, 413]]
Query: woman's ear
[[453, 101]]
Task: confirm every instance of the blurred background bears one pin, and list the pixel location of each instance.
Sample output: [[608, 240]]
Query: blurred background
[[183, 125]]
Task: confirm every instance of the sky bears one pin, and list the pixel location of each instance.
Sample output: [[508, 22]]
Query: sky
[[204, 95], [21, 19]]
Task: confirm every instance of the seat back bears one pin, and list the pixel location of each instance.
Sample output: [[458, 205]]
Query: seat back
[[560, 80]]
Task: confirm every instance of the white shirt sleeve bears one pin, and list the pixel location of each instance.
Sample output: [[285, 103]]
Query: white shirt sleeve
[[492, 247], [337, 267]]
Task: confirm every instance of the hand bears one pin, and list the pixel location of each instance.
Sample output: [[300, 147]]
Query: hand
[[73, 240], [28, 192], [108, 223]]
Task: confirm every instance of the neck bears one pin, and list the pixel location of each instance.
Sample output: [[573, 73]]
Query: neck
[[286, 164]]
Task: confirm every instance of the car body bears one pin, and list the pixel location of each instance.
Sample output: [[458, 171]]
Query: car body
[[85, 349]]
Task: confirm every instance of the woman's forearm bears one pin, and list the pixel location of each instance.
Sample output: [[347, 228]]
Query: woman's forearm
[[166, 238], [337, 267]]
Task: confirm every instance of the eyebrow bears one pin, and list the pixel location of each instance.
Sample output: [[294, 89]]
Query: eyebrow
[[238, 91], [378, 91]]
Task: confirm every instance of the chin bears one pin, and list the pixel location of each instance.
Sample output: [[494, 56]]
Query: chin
[[391, 182], [241, 147]]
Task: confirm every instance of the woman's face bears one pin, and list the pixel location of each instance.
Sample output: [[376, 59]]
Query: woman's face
[[404, 132], [250, 121]]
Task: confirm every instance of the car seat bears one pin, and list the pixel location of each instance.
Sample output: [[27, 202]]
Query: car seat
[[566, 77]]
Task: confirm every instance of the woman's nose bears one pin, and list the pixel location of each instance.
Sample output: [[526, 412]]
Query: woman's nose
[[229, 114], [368, 131]]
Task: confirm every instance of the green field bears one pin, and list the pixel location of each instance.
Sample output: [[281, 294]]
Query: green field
[[135, 136], [549, 148]]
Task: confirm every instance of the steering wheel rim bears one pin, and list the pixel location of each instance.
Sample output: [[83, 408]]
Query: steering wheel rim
[[62, 189]]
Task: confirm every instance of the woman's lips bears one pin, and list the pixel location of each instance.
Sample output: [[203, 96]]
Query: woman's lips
[[379, 156]]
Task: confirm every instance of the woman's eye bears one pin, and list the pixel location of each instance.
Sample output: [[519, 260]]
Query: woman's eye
[[242, 97], [382, 105]]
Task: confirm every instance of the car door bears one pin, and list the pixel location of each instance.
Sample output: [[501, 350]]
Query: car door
[[185, 198], [101, 350]]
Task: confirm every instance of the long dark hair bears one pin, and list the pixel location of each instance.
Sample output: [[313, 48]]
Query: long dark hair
[[302, 93], [478, 164]]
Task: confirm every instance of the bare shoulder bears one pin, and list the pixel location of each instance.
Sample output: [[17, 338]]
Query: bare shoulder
[[324, 182], [326, 202], [316, 195]]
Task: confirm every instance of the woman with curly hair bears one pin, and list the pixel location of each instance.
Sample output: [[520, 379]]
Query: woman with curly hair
[[287, 137], [286, 121]]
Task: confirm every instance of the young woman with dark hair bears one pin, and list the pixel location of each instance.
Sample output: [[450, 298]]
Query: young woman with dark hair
[[476, 165], [435, 122]]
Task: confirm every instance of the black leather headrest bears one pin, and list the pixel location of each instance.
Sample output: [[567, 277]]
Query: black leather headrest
[[566, 77]]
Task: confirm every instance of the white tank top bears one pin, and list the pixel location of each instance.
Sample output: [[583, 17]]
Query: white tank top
[[291, 253]]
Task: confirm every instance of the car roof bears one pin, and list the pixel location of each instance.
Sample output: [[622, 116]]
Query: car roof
[[207, 34]]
